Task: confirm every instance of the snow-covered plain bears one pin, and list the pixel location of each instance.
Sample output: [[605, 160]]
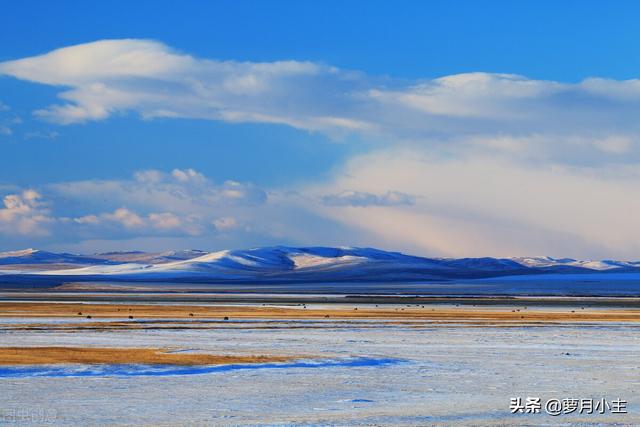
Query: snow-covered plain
[[428, 374]]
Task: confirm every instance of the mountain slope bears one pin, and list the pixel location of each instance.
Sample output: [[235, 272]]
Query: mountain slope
[[44, 258], [289, 264], [149, 258]]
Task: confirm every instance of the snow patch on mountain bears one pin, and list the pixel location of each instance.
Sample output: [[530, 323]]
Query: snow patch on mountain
[[544, 261], [21, 253], [292, 263]]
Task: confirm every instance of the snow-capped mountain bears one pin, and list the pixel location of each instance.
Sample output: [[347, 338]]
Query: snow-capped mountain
[[267, 263], [37, 257], [542, 262], [149, 257], [287, 264]]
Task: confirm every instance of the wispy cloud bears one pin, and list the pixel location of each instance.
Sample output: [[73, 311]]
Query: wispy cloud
[[42, 134], [7, 122], [111, 77], [154, 208], [475, 204], [468, 164], [135, 224], [397, 198], [362, 199]]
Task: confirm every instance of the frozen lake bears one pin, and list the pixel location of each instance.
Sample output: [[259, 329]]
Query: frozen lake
[[360, 373]]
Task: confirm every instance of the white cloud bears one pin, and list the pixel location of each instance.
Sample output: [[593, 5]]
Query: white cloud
[[473, 164], [615, 144], [87, 219], [188, 175], [153, 203], [117, 76], [8, 121], [479, 205], [182, 191], [112, 76], [549, 148], [472, 95], [401, 198], [225, 223], [165, 221], [151, 176], [24, 214], [152, 224], [99, 60], [125, 217]]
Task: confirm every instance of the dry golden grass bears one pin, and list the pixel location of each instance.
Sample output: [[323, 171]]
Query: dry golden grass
[[91, 355], [149, 311]]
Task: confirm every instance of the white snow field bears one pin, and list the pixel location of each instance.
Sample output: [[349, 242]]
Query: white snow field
[[363, 372]]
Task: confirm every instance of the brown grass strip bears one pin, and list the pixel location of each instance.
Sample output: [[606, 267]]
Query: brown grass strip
[[232, 312], [91, 355]]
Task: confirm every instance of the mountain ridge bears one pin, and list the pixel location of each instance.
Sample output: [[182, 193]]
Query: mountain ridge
[[291, 263]]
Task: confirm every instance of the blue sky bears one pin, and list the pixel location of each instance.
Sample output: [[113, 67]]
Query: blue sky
[[466, 128], [566, 40]]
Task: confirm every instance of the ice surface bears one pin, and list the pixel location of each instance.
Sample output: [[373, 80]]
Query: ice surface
[[140, 370], [449, 375]]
